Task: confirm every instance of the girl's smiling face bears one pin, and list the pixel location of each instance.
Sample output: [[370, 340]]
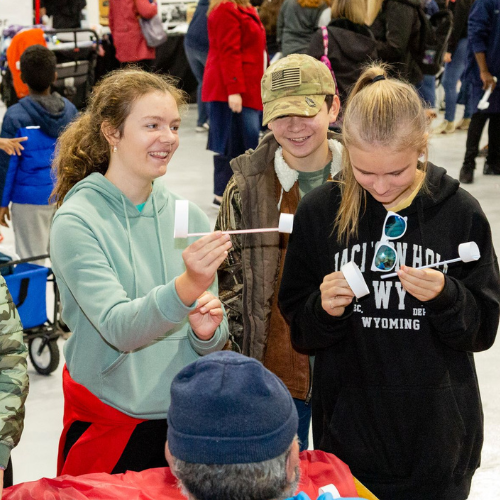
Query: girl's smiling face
[[388, 175], [149, 138]]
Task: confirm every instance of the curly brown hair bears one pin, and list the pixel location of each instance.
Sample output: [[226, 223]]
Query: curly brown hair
[[82, 148]]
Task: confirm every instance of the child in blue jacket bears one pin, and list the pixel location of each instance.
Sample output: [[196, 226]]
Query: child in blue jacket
[[25, 180]]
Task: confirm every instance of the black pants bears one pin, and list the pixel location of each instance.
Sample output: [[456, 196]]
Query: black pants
[[7, 475], [477, 123], [145, 448]]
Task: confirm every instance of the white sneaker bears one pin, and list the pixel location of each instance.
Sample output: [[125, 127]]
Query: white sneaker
[[445, 128], [204, 128], [463, 124]]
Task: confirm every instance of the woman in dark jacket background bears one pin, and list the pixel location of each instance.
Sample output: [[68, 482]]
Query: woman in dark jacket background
[[350, 43], [65, 13], [397, 30]]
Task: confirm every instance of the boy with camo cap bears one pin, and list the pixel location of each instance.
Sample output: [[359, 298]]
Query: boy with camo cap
[[300, 101]]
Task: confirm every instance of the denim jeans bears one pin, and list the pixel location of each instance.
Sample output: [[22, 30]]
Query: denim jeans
[[197, 60], [452, 73], [230, 135], [304, 411], [427, 90]]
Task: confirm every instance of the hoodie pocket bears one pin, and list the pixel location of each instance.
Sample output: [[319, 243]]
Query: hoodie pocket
[[397, 433], [138, 383]]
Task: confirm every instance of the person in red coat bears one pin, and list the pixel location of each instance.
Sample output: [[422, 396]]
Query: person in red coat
[[231, 83], [128, 39]]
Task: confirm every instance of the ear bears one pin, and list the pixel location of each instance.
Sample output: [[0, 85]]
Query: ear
[[334, 109], [292, 461], [111, 134], [270, 125], [169, 458]]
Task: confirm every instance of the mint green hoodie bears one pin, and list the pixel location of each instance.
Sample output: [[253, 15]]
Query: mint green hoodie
[[115, 268]]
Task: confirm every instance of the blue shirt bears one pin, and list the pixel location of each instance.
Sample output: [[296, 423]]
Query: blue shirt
[[324, 496]]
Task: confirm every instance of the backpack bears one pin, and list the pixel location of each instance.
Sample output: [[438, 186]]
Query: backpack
[[435, 32], [434, 35]]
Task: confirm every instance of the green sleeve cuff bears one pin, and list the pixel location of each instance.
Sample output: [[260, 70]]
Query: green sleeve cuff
[[4, 454], [171, 306]]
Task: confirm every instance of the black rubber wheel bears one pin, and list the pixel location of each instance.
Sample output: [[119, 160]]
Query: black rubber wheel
[[46, 361]]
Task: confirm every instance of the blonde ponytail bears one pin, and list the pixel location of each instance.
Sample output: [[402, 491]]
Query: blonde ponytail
[[380, 111]]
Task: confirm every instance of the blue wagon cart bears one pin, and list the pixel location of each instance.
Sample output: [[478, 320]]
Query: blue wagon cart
[[27, 283]]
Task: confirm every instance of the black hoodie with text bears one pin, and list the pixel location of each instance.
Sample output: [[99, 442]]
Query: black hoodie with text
[[395, 392]]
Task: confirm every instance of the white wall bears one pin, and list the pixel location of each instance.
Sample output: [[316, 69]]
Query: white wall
[[92, 12], [16, 12]]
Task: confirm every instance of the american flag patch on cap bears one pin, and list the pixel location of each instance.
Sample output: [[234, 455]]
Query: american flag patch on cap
[[289, 77]]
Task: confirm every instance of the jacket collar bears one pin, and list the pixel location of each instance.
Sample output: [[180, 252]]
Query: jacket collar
[[255, 162], [288, 176]]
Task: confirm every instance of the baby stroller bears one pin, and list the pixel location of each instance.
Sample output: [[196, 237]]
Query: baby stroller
[[76, 54], [27, 283]]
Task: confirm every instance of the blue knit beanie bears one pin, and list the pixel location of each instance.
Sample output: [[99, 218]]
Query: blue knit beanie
[[228, 409]]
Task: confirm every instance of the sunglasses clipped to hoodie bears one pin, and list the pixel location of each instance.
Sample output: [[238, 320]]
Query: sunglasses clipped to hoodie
[[386, 257]]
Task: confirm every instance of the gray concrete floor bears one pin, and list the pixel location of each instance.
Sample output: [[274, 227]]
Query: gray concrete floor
[[190, 175]]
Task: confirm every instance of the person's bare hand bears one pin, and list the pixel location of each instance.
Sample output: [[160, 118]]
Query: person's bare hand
[[202, 259], [336, 294], [488, 80], [207, 316], [12, 146], [4, 216], [235, 103], [423, 284], [447, 57]]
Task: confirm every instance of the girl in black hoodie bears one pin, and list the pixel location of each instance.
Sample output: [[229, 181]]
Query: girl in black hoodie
[[396, 394], [351, 45]]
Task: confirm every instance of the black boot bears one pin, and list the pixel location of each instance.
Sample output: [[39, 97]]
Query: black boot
[[466, 175], [490, 169]]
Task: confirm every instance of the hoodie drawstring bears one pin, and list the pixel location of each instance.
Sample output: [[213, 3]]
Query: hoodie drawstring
[[132, 258], [158, 234]]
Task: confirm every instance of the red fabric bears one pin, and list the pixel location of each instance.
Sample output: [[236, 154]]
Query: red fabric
[[18, 45], [101, 445], [235, 63], [37, 11], [128, 39], [317, 469]]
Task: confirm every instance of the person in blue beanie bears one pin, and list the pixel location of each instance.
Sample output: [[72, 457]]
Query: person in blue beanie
[[232, 431]]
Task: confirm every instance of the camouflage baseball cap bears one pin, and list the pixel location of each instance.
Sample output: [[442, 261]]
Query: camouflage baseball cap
[[295, 85]]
